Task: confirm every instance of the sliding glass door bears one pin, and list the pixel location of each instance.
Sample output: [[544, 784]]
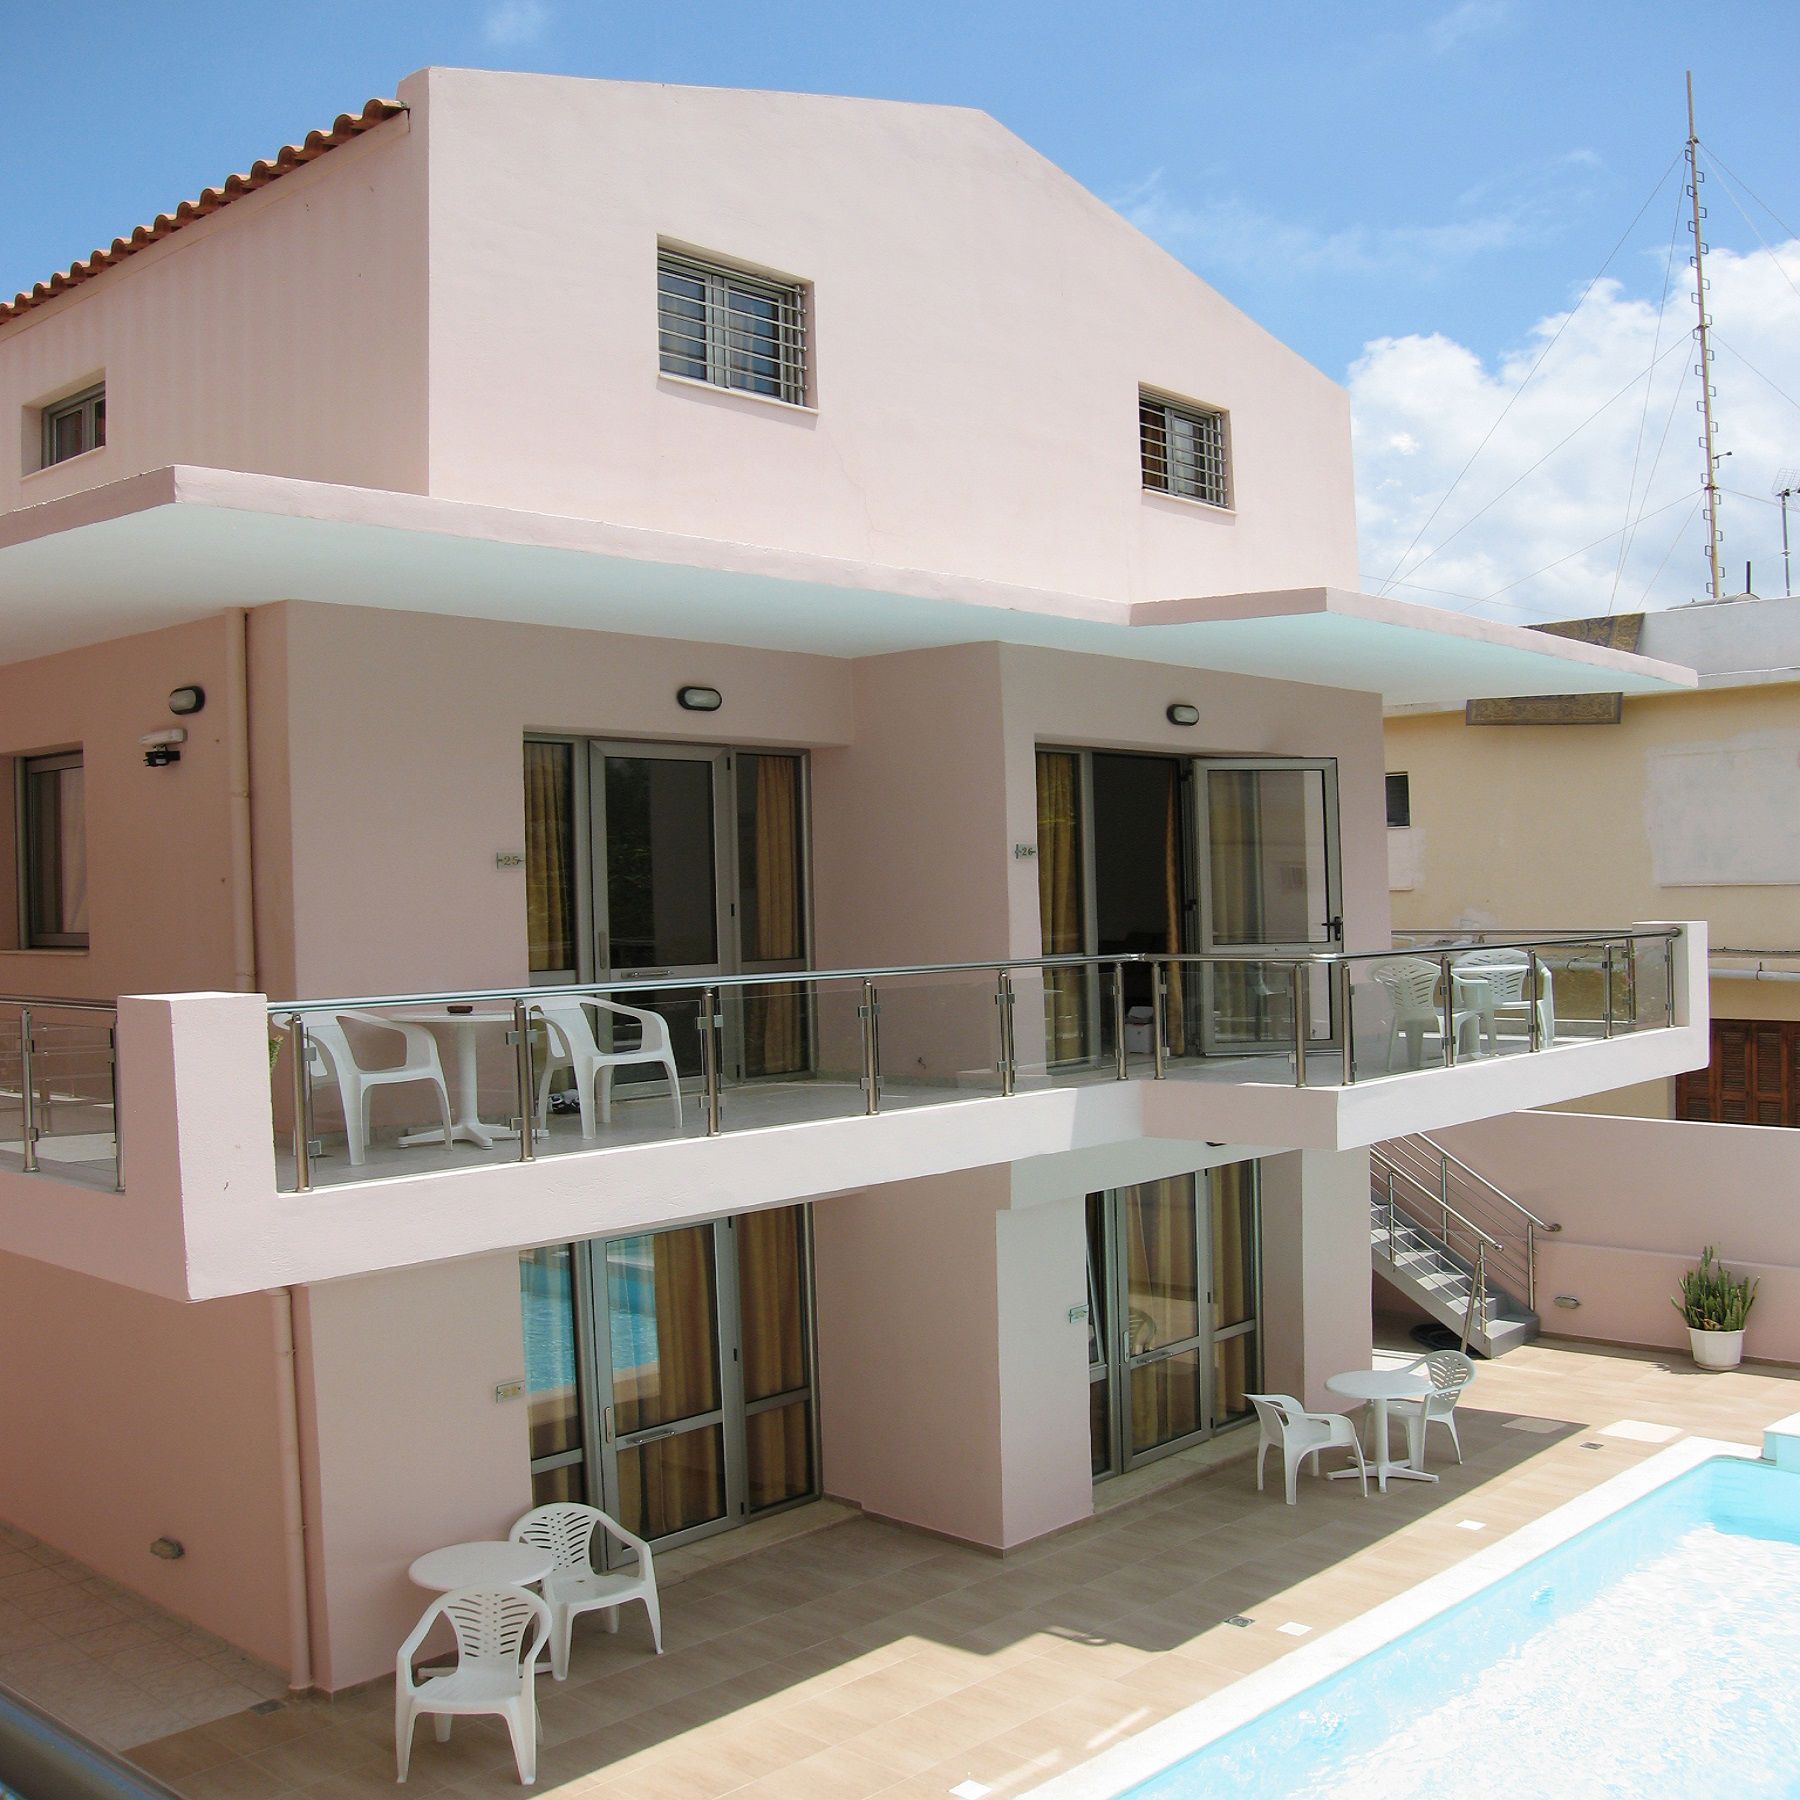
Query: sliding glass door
[[669, 1373], [1173, 1312]]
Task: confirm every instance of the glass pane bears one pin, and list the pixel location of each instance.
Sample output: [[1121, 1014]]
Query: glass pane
[[1165, 1400], [552, 1399], [1162, 1276], [56, 852], [663, 1327], [778, 1461], [1060, 900], [1233, 1243], [1234, 1375], [671, 1483], [99, 421], [771, 915], [1099, 1425], [568, 1482], [661, 898], [1266, 841], [67, 436], [771, 1256], [550, 857], [1098, 1297]]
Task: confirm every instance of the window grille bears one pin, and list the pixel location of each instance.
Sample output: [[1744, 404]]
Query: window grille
[[74, 425], [1185, 451], [731, 329]]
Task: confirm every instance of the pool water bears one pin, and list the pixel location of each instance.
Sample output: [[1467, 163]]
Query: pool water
[[1656, 1653], [549, 1322]]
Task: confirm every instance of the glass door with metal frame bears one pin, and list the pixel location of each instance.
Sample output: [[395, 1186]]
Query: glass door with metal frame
[[1266, 833], [1173, 1340]]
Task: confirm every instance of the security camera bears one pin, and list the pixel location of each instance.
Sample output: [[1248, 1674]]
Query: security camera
[[162, 747]]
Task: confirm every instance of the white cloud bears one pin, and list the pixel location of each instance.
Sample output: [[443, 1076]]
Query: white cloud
[[1422, 405], [513, 22], [1471, 19]]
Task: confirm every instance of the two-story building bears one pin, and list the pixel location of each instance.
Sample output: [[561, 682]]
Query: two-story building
[[802, 572]]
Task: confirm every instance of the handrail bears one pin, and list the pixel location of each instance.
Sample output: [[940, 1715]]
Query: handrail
[[678, 983], [1476, 1175], [99, 1006], [44, 1759], [1441, 1204]]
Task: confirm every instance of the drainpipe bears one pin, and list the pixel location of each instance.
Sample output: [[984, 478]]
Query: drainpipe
[[243, 908], [293, 1495]]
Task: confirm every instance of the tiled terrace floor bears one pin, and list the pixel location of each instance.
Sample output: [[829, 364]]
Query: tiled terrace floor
[[867, 1659]]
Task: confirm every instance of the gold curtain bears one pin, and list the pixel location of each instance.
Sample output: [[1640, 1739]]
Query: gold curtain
[[771, 1299], [1059, 897], [1240, 990], [774, 1022], [1177, 1007], [675, 1481], [1233, 1274], [1163, 1301], [549, 857]]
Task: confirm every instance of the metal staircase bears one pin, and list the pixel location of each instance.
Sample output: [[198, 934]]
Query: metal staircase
[[1450, 1240]]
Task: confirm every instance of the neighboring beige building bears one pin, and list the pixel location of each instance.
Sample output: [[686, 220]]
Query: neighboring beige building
[[1684, 808]]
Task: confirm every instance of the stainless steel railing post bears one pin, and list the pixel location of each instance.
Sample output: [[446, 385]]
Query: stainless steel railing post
[[28, 1130], [520, 1039], [1631, 983], [112, 1057], [1534, 1017], [1159, 1020], [301, 1054], [1121, 1055], [871, 1048], [1302, 1025], [1606, 976], [709, 1057], [1669, 982], [1477, 1291], [1449, 981], [1531, 1265], [1346, 990], [1444, 1194], [1009, 1049]]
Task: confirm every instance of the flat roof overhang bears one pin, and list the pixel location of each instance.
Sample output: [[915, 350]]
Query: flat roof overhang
[[181, 543]]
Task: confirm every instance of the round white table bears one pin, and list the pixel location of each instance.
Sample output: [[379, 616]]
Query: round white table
[[482, 1565], [466, 1123], [1378, 1387]]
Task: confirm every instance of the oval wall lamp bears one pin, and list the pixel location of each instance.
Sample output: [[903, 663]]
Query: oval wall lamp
[[1183, 714], [699, 699], [186, 700]]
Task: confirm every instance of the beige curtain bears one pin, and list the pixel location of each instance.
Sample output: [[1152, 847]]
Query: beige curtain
[[1060, 897], [549, 857], [1240, 990], [1163, 1306], [774, 1021], [1233, 1274], [771, 1300]]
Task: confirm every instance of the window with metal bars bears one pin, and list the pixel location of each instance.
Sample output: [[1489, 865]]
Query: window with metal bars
[[1185, 450], [731, 329]]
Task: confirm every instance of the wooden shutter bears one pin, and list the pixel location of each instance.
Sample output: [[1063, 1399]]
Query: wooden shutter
[[1753, 1078]]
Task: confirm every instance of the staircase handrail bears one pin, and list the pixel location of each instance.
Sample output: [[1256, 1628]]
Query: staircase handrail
[[1437, 1200], [1476, 1175]]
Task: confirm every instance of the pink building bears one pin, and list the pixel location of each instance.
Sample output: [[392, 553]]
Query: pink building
[[786, 566]]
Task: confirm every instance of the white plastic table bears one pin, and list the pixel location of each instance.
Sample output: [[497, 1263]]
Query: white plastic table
[[1378, 1387], [466, 1124], [494, 1564], [1479, 990]]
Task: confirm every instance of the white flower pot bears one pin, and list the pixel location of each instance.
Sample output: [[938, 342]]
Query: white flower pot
[[1716, 1349]]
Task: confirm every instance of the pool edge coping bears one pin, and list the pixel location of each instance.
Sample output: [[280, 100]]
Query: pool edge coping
[[1154, 1750]]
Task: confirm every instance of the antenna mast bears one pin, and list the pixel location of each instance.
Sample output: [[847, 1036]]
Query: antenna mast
[[1704, 367]]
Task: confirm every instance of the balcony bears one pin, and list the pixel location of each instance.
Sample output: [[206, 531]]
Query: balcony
[[236, 1167]]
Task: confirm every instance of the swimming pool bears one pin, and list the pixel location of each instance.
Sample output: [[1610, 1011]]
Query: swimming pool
[[1641, 1640]]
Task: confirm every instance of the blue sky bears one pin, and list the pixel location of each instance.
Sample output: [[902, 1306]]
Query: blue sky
[[1451, 172]]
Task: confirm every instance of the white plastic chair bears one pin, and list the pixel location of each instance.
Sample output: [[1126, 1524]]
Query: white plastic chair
[[575, 1585], [357, 1080], [1496, 985], [573, 1046], [500, 1634], [1412, 985], [1450, 1373], [1301, 1434]]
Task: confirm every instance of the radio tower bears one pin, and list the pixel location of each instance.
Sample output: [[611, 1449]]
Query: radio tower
[[1704, 367]]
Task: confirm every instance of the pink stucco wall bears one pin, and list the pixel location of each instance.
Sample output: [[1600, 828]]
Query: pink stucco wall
[[125, 1418]]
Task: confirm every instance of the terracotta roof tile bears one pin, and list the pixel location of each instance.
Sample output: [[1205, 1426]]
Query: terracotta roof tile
[[289, 157]]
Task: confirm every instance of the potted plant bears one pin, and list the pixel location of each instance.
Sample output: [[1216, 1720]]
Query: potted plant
[[1715, 1304]]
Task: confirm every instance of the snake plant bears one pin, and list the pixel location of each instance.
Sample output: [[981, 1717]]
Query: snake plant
[[1712, 1298]]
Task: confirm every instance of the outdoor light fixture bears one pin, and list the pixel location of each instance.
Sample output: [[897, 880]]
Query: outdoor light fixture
[[162, 747], [169, 1549], [699, 699], [1183, 714], [185, 700]]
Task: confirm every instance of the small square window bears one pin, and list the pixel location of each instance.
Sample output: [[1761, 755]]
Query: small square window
[[74, 426], [731, 329], [1185, 450], [1399, 800], [52, 851]]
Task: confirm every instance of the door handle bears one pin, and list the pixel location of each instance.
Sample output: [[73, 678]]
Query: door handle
[[1335, 925]]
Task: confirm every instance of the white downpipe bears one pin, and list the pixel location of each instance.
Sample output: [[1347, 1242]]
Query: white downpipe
[[1760, 972], [243, 904], [293, 1496]]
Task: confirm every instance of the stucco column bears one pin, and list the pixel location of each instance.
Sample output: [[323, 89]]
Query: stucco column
[[1316, 1311], [952, 1382]]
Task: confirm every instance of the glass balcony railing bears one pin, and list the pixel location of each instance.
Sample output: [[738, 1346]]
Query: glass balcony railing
[[58, 1090], [407, 1084]]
